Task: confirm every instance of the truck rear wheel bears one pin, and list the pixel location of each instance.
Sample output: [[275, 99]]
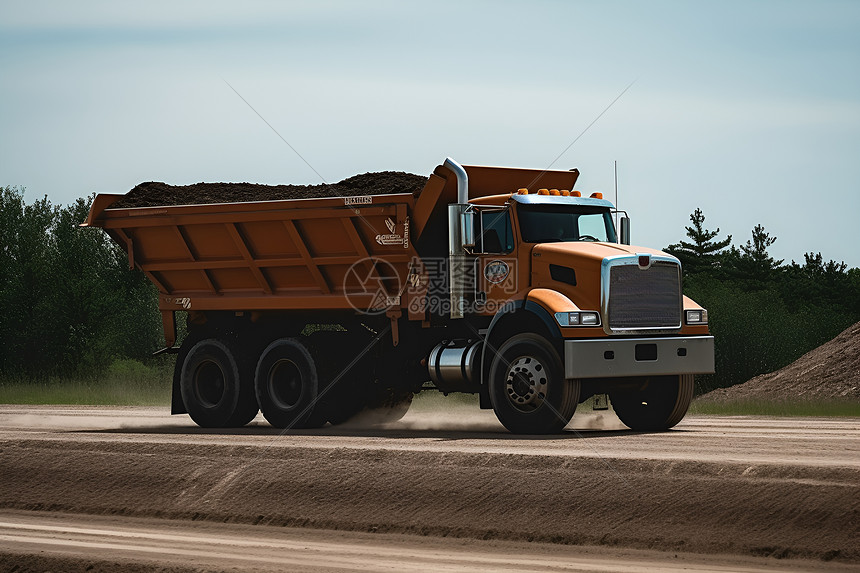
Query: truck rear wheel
[[287, 385], [210, 384], [382, 407], [528, 390], [658, 404], [246, 407], [390, 407]]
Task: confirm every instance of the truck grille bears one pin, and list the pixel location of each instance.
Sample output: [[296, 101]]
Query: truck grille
[[643, 298]]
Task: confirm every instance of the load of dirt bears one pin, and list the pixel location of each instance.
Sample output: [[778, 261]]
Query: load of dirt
[[153, 194], [829, 372]]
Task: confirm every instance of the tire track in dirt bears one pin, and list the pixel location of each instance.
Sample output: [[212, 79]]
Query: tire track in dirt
[[765, 509]]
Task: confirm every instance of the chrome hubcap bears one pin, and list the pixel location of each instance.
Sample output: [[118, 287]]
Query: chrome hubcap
[[526, 383]]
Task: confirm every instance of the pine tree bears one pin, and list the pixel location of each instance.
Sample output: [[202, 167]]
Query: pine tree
[[752, 261], [702, 252]]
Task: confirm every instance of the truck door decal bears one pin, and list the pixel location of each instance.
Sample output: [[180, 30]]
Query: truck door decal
[[496, 271]]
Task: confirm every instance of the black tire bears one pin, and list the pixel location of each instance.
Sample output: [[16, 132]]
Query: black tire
[[340, 406], [246, 406], [343, 393], [658, 404], [528, 390], [210, 383], [287, 385], [392, 409]]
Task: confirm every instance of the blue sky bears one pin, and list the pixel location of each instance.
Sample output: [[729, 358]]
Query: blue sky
[[749, 110]]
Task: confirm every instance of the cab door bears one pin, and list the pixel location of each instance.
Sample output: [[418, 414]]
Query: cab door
[[496, 264]]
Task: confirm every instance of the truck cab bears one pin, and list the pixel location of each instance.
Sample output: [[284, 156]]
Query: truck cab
[[576, 311]]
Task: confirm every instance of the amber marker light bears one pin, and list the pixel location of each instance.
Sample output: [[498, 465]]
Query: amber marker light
[[597, 195], [565, 193], [543, 191], [522, 191], [576, 194], [554, 192]]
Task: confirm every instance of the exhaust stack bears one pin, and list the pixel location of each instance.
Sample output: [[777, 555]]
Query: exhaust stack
[[456, 257], [462, 180]]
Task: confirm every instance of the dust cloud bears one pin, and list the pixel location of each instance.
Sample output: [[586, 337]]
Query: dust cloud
[[431, 411], [431, 415], [596, 420], [76, 418]]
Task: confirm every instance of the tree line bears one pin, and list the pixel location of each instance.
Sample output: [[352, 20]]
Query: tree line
[[764, 313], [71, 306]]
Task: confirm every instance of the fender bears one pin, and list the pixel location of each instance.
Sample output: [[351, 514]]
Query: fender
[[540, 303], [551, 301]]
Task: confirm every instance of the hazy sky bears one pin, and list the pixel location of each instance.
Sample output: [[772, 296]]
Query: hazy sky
[[749, 110]]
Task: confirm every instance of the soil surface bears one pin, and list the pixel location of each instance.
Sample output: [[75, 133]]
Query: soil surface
[[746, 488], [94, 544], [829, 372], [157, 194]]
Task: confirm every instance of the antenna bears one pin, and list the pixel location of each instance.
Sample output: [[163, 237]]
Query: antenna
[[616, 193]]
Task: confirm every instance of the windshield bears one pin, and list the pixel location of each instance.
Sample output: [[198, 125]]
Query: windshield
[[558, 223]]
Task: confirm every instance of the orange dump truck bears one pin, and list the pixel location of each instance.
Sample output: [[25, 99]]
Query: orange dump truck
[[501, 282]]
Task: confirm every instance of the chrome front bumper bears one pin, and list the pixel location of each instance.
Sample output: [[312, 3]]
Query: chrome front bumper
[[611, 358]]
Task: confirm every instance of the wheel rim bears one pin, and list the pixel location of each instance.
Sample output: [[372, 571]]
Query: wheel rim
[[209, 384], [285, 384], [526, 383]]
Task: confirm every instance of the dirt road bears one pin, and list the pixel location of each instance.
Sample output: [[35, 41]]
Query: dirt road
[[765, 494]]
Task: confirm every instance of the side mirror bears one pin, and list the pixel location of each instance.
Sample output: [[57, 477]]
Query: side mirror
[[467, 229], [625, 230]]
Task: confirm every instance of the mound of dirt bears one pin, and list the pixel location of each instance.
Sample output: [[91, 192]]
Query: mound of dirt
[[157, 194], [829, 372]]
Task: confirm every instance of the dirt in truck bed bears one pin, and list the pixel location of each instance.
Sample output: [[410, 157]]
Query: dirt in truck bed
[[381, 183]]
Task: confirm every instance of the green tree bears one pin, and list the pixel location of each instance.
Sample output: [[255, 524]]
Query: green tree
[[702, 252], [106, 310], [25, 283], [763, 314], [70, 303], [752, 262], [818, 283]]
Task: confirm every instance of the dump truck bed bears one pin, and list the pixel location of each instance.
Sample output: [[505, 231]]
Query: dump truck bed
[[301, 253]]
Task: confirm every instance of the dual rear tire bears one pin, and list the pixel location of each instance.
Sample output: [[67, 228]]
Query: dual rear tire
[[211, 384], [221, 387], [287, 385]]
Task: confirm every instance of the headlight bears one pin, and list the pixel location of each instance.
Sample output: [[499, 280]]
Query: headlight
[[579, 318], [697, 316]]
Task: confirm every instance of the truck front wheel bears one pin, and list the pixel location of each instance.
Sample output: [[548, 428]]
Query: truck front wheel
[[528, 390], [658, 403], [210, 384], [287, 385]]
